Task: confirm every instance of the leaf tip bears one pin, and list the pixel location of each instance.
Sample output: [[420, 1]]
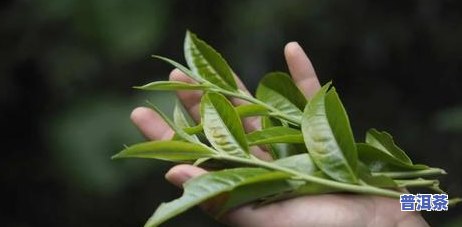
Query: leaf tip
[[329, 83], [116, 156], [121, 154], [325, 88], [443, 171], [189, 35], [189, 32], [150, 223], [454, 201]]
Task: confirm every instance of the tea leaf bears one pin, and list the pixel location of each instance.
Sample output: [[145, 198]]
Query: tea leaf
[[182, 121], [281, 150], [251, 110], [171, 86], [303, 164], [377, 181], [378, 160], [256, 191], [278, 90], [204, 61], [301, 188], [384, 142], [222, 125], [308, 188], [328, 136], [211, 184], [421, 182], [411, 173], [300, 162], [275, 189], [275, 135], [179, 133], [165, 150], [179, 118], [194, 129], [242, 111], [182, 68]]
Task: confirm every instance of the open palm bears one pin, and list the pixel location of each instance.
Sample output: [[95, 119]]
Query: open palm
[[318, 210]]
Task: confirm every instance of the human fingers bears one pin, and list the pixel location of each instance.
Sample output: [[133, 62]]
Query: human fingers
[[150, 124], [250, 123], [179, 174], [304, 211], [190, 99], [301, 69]]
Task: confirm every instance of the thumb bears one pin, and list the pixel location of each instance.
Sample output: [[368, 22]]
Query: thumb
[[179, 174]]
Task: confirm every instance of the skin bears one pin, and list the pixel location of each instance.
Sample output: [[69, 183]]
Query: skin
[[318, 210]]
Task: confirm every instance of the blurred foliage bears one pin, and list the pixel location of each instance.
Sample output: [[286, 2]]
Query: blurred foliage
[[449, 120], [89, 132], [67, 67]]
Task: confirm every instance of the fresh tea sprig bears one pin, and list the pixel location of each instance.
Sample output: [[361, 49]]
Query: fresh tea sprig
[[311, 142]]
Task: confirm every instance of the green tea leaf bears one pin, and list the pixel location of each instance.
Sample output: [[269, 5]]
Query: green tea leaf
[[194, 129], [378, 160], [300, 162], [275, 135], [420, 182], [308, 188], [180, 120], [303, 164], [182, 68], [278, 90], [199, 189], [222, 125], [384, 142], [301, 188], [204, 61], [256, 191], [243, 111], [377, 181], [251, 110], [179, 133], [280, 150], [166, 150], [328, 137], [171, 86]]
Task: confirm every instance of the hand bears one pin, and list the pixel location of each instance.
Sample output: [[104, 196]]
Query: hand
[[318, 210]]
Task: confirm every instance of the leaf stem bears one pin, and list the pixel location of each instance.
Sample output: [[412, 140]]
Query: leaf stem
[[361, 189], [412, 174], [275, 112], [454, 201], [416, 183]]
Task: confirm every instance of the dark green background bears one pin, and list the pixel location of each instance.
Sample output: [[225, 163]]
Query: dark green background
[[67, 67]]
